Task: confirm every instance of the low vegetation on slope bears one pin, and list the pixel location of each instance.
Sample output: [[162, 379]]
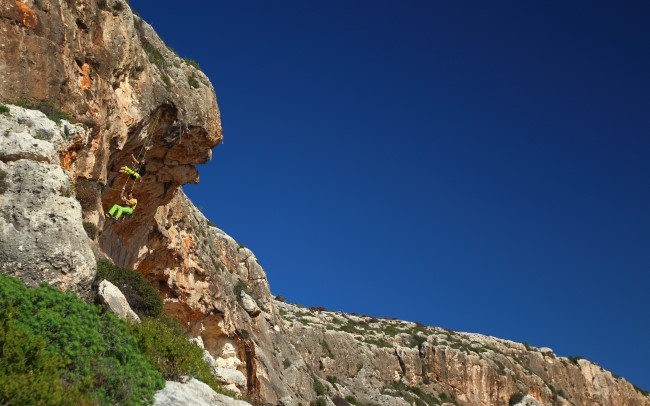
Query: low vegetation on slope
[[56, 349], [160, 339]]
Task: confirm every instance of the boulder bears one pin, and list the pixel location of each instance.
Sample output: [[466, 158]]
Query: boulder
[[193, 392], [228, 376], [249, 304], [115, 301]]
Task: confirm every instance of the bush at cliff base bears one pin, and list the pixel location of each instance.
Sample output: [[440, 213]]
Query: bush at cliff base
[[58, 350], [143, 298], [164, 344]]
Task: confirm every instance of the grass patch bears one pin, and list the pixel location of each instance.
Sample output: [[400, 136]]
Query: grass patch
[[48, 109], [193, 82], [331, 379], [574, 358], [143, 298], [4, 109]]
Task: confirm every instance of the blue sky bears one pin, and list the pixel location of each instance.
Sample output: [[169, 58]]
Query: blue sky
[[479, 166]]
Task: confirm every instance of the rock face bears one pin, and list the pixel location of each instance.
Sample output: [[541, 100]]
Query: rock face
[[105, 67], [396, 362], [42, 238], [99, 63]]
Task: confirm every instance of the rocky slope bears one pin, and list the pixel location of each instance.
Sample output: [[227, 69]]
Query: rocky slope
[[393, 362], [97, 62]]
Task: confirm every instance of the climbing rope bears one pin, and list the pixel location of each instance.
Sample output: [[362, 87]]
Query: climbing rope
[[151, 128]]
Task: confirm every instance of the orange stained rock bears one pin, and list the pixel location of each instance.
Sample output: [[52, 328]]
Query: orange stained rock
[[68, 158], [30, 19], [188, 242], [85, 82]]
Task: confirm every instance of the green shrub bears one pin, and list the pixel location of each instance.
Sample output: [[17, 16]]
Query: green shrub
[[166, 79], [320, 401], [87, 193], [516, 398], [4, 109], [351, 399], [59, 350], [28, 375], [331, 379], [118, 6], [193, 82], [319, 388], [4, 185], [574, 358], [192, 62], [240, 287], [168, 349], [339, 401], [286, 363], [641, 391], [327, 349], [23, 103], [154, 55], [143, 298], [91, 229]]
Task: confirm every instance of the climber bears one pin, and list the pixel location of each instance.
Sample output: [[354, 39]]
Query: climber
[[117, 211], [139, 172]]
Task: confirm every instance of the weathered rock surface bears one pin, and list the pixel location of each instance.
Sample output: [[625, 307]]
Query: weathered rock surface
[[201, 273], [42, 238], [106, 67], [97, 62], [372, 358], [115, 301], [193, 392]]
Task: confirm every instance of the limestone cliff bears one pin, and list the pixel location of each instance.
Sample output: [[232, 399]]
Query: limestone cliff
[[98, 63]]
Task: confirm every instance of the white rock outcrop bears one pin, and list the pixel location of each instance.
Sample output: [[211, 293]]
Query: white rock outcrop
[[249, 304], [529, 401], [193, 392], [115, 301], [42, 238], [230, 376]]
